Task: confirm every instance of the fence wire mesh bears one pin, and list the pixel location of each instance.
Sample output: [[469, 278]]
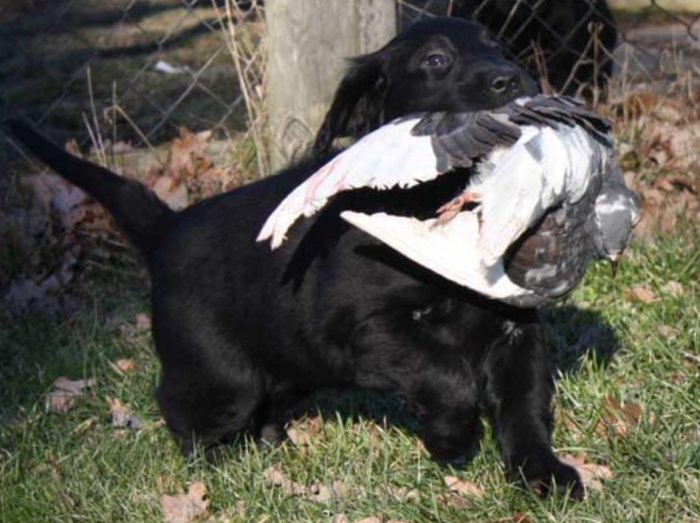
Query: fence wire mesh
[[166, 63]]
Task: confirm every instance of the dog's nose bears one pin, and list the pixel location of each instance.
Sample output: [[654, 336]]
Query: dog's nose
[[506, 80], [509, 80]]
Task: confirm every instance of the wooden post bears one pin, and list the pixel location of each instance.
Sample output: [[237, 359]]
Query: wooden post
[[308, 43]]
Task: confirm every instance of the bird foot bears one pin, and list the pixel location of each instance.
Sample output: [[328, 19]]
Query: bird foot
[[452, 208]]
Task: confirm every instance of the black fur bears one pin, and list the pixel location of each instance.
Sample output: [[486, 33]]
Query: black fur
[[561, 28], [243, 333], [406, 76]]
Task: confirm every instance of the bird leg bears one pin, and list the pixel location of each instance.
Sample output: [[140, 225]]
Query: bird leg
[[452, 208]]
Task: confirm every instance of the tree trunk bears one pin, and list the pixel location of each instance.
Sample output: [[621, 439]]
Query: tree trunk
[[308, 43]]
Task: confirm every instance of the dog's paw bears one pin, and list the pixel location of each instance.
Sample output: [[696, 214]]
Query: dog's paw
[[545, 475]]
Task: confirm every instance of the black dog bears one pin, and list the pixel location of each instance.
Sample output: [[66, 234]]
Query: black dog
[[243, 333], [562, 29]]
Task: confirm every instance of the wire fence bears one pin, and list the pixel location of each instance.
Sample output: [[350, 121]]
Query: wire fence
[[162, 64]]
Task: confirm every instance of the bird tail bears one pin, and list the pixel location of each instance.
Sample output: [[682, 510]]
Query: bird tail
[[136, 210]]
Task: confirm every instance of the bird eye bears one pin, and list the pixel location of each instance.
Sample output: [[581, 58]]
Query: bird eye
[[437, 60]]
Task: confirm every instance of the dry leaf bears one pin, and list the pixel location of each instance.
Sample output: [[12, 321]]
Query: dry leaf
[[66, 394], [341, 518], [173, 192], [317, 491], [373, 519], [592, 475], [462, 487], [618, 417], [123, 366], [667, 331], [122, 417], [143, 322], [277, 478], [673, 288], [641, 293], [520, 517], [454, 500], [402, 494], [184, 508]]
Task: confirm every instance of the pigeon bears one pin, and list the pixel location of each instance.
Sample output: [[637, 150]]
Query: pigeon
[[542, 200]]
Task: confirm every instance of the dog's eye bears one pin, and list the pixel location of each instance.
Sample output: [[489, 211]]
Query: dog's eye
[[437, 60]]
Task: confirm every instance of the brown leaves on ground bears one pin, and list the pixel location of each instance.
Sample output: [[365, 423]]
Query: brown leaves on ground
[[189, 173], [663, 161], [317, 491], [617, 418], [123, 365], [592, 475], [342, 518], [460, 486], [122, 418], [185, 507], [63, 223], [640, 293], [303, 432], [66, 394]]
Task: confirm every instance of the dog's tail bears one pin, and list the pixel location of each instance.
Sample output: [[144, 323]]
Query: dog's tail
[[137, 211]]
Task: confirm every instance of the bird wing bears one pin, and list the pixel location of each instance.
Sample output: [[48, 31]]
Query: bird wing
[[403, 153], [449, 250]]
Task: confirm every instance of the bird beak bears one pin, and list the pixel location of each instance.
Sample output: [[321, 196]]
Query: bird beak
[[614, 262]]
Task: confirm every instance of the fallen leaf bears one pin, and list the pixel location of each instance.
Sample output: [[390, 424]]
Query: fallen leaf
[[462, 487], [143, 322], [173, 192], [66, 394], [618, 417], [592, 475], [673, 288], [317, 491], [454, 500], [184, 508], [402, 494], [122, 417], [322, 493], [641, 293], [667, 331], [341, 518], [520, 517], [303, 432], [276, 478], [123, 366], [372, 519]]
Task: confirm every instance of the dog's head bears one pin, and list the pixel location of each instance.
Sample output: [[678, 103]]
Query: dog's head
[[439, 64]]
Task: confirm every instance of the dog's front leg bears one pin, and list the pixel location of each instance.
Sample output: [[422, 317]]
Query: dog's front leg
[[519, 389]]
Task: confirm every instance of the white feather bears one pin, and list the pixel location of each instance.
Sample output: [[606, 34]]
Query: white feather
[[388, 157], [450, 250], [520, 187]]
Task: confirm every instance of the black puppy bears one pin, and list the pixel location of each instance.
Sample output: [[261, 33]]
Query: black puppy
[[564, 30], [243, 333]]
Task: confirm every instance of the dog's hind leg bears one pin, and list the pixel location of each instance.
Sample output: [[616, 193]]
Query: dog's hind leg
[[202, 411]]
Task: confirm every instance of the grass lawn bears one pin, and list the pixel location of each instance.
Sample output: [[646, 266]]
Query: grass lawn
[[76, 466]]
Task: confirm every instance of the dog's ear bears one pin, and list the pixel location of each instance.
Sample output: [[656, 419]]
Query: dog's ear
[[358, 104]]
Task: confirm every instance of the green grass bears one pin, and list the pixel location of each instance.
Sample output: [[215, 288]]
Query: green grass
[[74, 467]]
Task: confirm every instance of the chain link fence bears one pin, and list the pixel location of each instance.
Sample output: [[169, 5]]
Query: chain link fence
[[162, 64]]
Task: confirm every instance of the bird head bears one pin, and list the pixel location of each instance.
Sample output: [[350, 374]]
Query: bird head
[[617, 211]]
